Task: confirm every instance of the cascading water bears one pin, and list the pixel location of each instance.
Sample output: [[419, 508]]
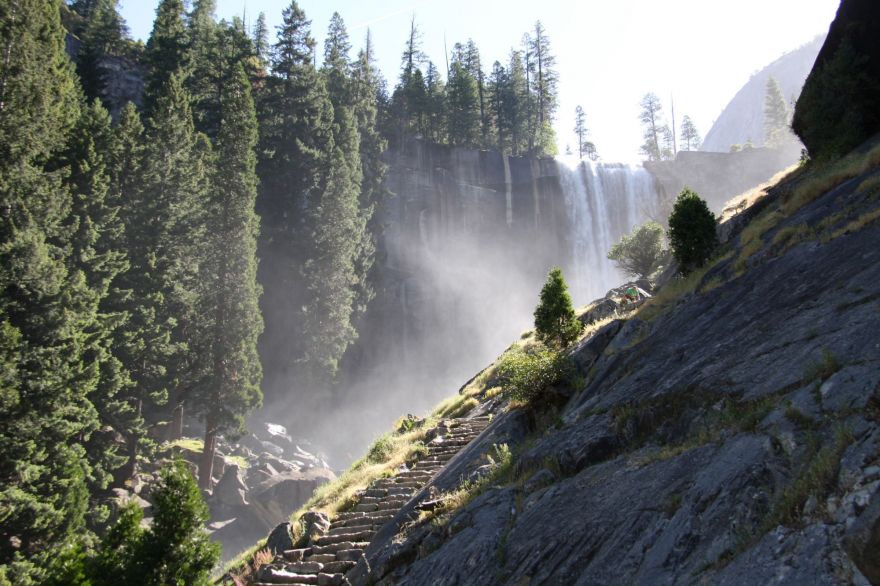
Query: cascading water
[[603, 201]]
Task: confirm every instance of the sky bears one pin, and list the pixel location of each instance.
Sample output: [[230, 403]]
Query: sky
[[610, 53]]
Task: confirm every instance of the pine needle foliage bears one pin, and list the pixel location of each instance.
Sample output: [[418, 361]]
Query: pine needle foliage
[[555, 322]]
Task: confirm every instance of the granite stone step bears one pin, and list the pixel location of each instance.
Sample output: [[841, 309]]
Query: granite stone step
[[336, 567], [349, 555], [296, 555], [335, 547], [341, 537], [322, 558]]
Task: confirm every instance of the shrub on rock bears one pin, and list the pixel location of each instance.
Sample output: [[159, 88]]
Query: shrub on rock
[[692, 231]]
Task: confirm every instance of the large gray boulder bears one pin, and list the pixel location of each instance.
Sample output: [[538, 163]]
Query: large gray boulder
[[280, 539], [231, 490]]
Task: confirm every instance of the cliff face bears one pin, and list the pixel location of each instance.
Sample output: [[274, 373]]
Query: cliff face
[[742, 120], [838, 108], [729, 435]]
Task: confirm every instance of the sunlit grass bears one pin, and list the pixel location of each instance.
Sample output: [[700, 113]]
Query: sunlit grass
[[746, 200], [187, 444], [823, 179], [670, 293]]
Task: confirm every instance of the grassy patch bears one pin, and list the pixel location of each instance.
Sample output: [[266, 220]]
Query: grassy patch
[[711, 284], [501, 461], [186, 444], [669, 295], [870, 185], [456, 406], [741, 202], [857, 224], [792, 235], [823, 368], [239, 461], [823, 179], [798, 418], [817, 479]]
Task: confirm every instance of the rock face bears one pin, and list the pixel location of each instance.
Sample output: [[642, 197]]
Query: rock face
[[838, 106], [742, 120], [730, 438]]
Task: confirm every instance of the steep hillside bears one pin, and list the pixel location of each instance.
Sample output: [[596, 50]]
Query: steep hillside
[[726, 432], [742, 120]]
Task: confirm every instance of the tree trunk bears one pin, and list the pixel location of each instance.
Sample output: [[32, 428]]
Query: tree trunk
[[206, 466], [175, 432]]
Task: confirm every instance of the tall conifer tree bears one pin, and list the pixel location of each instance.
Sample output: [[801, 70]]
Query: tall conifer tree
[[166, 50], [46, 370], [229, 276], [296, 125]]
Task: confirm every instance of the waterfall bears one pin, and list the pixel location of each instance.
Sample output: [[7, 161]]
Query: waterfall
[[603, 202]]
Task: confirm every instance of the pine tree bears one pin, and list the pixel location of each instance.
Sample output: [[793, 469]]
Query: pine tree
[[176, 549], [652, 123], [691, 231], [330, 272], [365, 91], [166, 51], [206, 70], [463, 107], [580, 130], [555, 322], [409, 101], [690, 137], [435, 106], [475, 68], [98, 255], [232, 320], [296, 128], [260, 36], [174, 184], [337, 69], [776, 116], [46, 370], [545, 80], [142, 342], [501, 123], [517, 100]]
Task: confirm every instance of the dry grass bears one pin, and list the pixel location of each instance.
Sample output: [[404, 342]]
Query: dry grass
[[457, 405], [669, 295], [870, 185], [824, 179], [857, 224], [746, 200]]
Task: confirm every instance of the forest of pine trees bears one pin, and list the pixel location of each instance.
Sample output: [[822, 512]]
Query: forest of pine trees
[[137, 238]]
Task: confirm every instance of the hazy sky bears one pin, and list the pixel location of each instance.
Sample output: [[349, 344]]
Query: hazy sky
[[609, 52]]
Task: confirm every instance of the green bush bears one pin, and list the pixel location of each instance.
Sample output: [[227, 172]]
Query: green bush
[[526, 375], [555, 320], [691, 231], [639, 253]]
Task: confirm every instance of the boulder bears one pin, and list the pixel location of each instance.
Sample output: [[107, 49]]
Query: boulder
[[276, 434], [231, 490], [315, 524], [862, 540], [602, 310], [280, 539]]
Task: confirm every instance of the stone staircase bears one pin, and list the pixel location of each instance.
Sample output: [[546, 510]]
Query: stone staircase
[[328, 558]]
